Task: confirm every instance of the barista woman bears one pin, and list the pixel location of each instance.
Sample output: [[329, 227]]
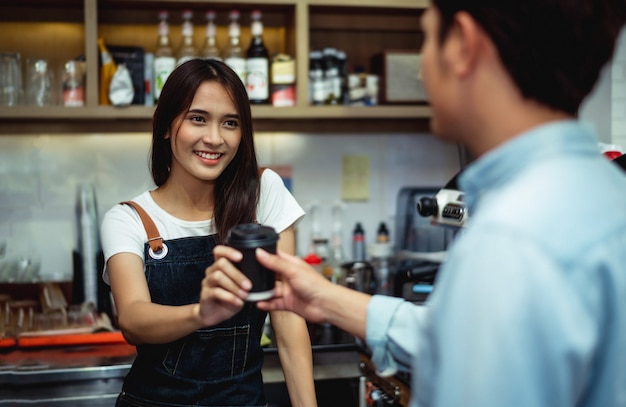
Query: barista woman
[[194, 349]]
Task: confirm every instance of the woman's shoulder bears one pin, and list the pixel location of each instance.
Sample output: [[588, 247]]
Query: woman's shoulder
[[268, 174], [271, 179], [122, 210]]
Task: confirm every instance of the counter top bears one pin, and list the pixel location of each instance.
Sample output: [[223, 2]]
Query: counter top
[[335, 354]]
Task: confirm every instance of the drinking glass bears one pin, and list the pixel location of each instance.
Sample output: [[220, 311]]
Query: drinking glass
[[10, 79], [38, 82]]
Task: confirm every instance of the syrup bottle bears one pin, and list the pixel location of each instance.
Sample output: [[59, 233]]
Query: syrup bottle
[[187, 50], [210, 49], [258, 77], [164, 60], [234, 54]]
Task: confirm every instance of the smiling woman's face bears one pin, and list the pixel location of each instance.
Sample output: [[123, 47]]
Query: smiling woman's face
[[205, 139]]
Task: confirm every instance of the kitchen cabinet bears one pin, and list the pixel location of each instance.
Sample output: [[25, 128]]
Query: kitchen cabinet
[[65, 29]]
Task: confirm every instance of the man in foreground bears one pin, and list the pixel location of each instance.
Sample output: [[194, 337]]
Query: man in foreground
[[529, 309]]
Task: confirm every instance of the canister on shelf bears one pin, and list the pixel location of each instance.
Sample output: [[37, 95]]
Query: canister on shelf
[[74, 83]]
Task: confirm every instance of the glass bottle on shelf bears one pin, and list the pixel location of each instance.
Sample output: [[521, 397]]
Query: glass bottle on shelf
[[342, 64], [187, 51], [258, 66], [234, 55], [210, 49], [164, 60], [317, 85], [331, 75]]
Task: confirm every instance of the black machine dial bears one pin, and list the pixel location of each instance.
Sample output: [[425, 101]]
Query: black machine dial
[[427, 206]]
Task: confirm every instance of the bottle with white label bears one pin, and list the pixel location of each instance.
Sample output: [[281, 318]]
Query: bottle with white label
[[317, 83], [187, 50], [258, 78], [234, 55], [210, 49], [164, 60]]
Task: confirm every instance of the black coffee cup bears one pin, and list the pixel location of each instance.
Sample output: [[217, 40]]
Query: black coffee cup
[[247, 238]]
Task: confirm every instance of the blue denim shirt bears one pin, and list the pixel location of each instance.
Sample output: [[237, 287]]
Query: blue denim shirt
[[529, 309]]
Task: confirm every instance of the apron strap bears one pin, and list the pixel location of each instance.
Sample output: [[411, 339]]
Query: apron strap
[[154, 237]]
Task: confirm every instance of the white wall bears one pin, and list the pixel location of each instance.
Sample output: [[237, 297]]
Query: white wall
[[605, 108], [618, 93], [39, 176]]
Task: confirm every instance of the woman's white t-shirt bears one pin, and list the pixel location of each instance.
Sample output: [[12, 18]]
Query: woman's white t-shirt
[[123, 232]]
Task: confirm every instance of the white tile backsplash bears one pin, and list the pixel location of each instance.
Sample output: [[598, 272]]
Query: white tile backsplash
[[40, 174]]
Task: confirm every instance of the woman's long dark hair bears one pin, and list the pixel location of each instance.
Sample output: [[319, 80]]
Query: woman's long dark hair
[[237, 188]]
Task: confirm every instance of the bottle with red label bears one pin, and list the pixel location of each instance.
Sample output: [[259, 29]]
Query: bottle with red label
[[358, 243], [258, 63]]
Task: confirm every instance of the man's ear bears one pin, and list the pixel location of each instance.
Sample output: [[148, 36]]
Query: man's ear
[[470, 43]]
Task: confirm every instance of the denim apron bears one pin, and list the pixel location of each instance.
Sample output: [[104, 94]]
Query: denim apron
[[217, 366]]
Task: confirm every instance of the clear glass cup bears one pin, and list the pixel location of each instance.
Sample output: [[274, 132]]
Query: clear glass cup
[[39, 82], [11, 90]]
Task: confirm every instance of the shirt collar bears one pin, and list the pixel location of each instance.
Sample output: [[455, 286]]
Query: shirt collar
[[504, 162]]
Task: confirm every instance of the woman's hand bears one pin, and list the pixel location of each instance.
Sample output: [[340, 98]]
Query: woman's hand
[[224, 287]]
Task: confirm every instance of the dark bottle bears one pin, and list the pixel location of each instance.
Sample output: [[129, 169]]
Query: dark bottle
[[258, 63], [342, 63], [358, 243]]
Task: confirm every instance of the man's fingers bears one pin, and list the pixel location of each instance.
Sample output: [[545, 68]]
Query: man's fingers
[[272, 261], [281, 262]]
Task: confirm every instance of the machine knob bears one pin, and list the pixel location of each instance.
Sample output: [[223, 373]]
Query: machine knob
[[427, 206]]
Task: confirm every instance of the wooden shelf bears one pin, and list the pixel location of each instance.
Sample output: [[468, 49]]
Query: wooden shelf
[[293, 26], [258, 112], [107, 119]]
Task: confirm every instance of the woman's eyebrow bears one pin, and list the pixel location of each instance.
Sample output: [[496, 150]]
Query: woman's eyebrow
[[198, 111]]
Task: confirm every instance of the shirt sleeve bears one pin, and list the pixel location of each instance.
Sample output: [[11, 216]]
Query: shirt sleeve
[[277, 207], [393, 332], [121, 231]]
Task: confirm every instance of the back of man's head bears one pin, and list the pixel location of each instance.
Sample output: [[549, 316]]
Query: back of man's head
[[553, 49]]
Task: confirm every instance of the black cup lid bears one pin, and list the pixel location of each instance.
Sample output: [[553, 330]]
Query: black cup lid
[[251, 235]]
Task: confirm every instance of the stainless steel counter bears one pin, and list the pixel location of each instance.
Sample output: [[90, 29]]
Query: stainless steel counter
[[92, 375]]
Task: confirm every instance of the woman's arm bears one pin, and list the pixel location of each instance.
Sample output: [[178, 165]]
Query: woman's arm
[[142, 321], [294, 344]]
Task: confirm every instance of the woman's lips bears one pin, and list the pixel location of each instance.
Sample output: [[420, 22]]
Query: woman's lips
[[208, 156]]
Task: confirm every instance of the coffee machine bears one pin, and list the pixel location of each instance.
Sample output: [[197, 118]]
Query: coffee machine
[[427, 220]]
